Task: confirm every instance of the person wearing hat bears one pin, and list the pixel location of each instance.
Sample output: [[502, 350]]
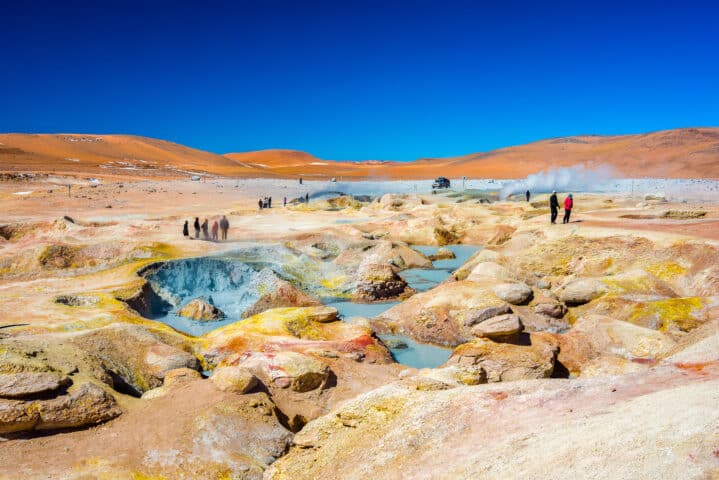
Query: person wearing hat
[[568, 204], [554, 206]]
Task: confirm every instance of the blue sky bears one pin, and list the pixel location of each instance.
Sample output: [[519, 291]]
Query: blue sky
[[358, 80]]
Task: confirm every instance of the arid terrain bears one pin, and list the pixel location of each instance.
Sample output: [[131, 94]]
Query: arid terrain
[[424, 335], [680, 153]]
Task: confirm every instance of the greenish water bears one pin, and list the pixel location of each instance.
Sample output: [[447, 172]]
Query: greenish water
[[423, 279], [418, 355]]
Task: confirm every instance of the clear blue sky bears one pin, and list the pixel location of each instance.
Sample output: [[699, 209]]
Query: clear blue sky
[[358, 80]]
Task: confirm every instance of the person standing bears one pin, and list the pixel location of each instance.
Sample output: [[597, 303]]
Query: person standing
[[568, 204], [215, 228], [307, 198], [186, 229], [269, 202], [205, 230], [259, 202], [528, 195], [554, 206], [197, 227], [284, 202], [224, 226]]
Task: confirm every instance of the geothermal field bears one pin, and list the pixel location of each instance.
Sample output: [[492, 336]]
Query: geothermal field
[[371, 327]]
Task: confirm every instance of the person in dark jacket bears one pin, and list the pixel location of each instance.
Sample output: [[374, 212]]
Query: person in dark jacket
[[224, 226], [307, 198], [528, 195], [554, 206], [568, 205], [206, 230], [259, 202], [197, 227], [186, 229]]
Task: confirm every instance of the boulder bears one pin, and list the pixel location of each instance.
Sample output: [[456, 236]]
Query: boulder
[[278, 293], [478, 315], [161, 359], [498, 327], [296, 371], [379, 282], [442, 254], [581, 291], [234, 379], [489, 271], [86, 405], [134, 358], [514, 293], [444, 314], [507, 362], [457, 375], [28, 384], [202, 310], [554, 310], [322, 314], [180, 376]]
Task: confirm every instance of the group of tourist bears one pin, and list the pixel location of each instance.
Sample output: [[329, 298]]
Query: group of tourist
[[265, 202], [554, 207], [222, 225]]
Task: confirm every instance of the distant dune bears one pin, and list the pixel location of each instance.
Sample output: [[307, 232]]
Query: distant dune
[[680, 153], [110, 155]]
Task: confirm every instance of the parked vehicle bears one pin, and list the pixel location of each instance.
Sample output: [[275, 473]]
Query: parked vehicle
[[441, 182]]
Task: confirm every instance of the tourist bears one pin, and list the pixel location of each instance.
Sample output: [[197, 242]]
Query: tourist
[[215, 228], [197, 227], [269, 202], [300, 180], [307, 198], [205, 232], [284, 202], [224, 226], [554, 206], [259, 202], [528, 195], [568, 204], [186, 229]]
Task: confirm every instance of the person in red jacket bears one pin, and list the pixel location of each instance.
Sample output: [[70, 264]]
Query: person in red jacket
[[568, 204]]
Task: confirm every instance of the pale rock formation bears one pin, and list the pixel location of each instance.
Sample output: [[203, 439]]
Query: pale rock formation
[[86, 404], [581, 291], [378, 282], [498, 327], [514, 293], [28, 384], [506, 362], [202, 310], [234, 379]]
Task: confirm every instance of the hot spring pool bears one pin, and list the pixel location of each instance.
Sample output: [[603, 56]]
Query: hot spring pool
[[423, 279]]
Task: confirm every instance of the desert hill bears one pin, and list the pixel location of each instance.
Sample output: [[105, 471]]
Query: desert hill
[[110, 155], [679, 153]]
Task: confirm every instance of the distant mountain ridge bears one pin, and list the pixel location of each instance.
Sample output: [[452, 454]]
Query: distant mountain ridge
[[678, 153]]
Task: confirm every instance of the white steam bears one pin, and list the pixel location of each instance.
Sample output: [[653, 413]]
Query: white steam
[[566, 179]]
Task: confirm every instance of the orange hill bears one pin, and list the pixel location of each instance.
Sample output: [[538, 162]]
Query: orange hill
[[110, 155], [680, 153]]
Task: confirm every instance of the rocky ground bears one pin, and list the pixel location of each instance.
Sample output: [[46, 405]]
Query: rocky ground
[[586, 350]]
